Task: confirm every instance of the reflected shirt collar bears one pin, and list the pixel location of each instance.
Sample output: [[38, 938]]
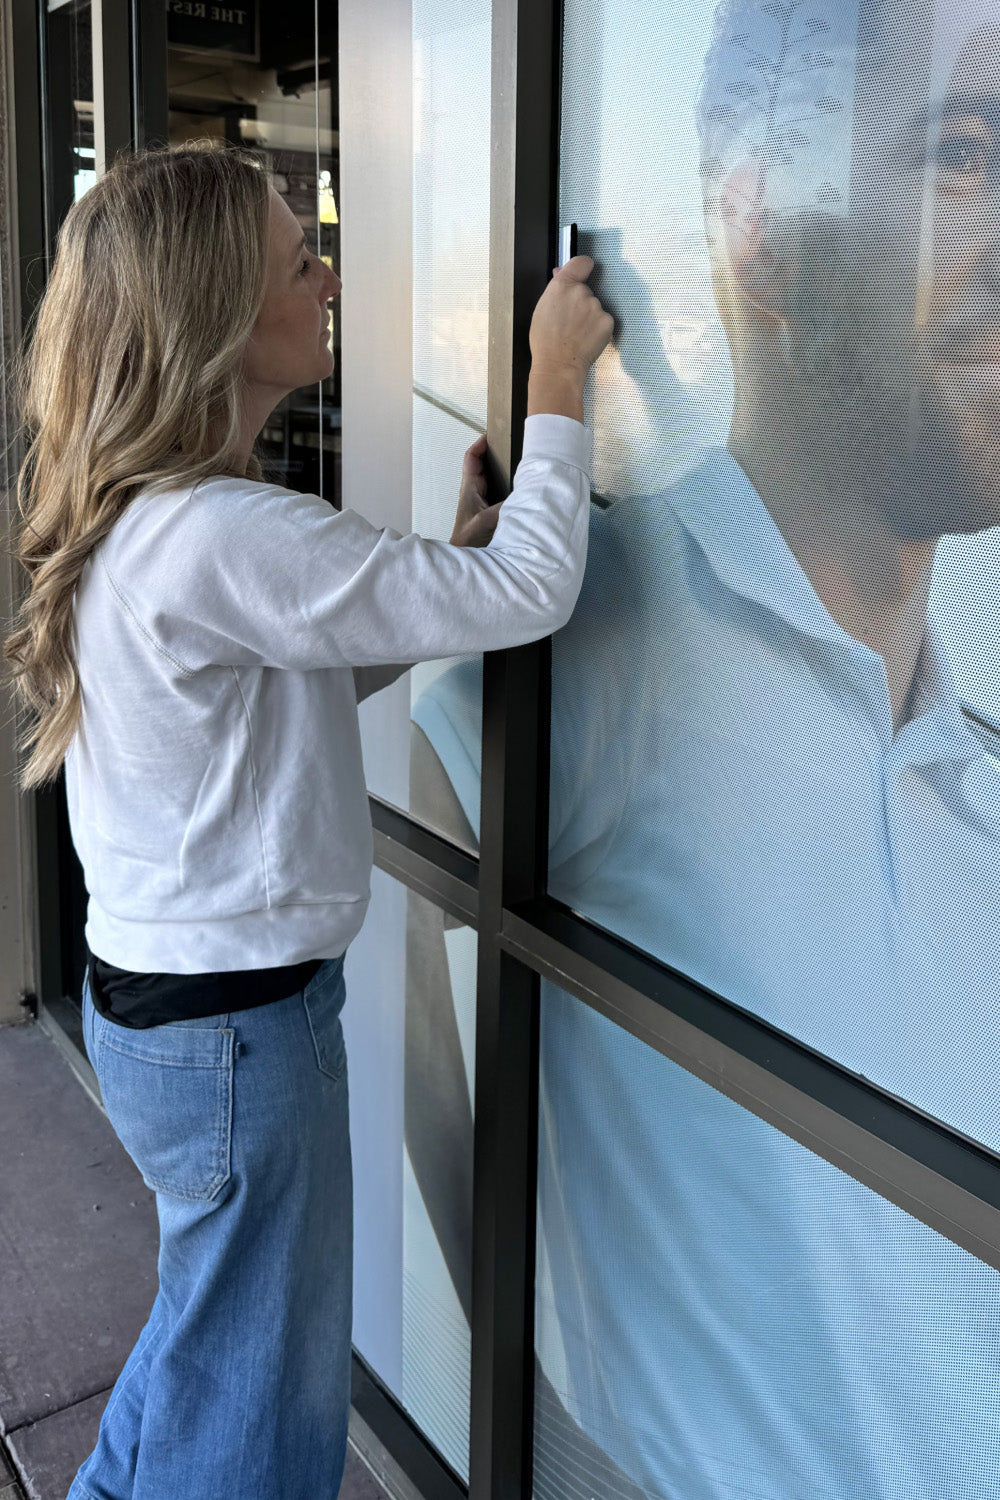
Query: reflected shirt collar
[[746, 550], [742, 543], [937, 728]]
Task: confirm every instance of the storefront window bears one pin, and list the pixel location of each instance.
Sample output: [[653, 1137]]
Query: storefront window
[[451, 225], [794, 807], [410, 1028], [719, 1312], [773, 761], [265, 77], [774, 758], [71, 167], [412, 1064]]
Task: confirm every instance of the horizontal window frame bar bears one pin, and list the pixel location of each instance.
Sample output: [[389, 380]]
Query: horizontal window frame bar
[[927, 1168], [425, 862], [405, 1444], [931, 1171]]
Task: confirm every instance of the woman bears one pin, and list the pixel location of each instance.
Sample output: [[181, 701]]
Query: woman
[[193, 646]]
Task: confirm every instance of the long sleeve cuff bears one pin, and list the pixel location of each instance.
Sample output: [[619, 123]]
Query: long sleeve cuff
[[549, 436]]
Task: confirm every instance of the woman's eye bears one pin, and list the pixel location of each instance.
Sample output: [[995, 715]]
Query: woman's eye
[[304, 268]]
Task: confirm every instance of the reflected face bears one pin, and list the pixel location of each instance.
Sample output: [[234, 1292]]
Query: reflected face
[[871, 240], [961, 335], [290, 344]]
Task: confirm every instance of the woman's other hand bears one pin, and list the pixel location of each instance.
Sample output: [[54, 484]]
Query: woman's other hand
[[569, 329], [475, 520]]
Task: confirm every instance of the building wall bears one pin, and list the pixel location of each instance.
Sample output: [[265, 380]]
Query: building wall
[[15, 841]]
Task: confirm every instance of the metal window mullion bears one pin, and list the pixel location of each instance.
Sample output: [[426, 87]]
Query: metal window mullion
[[58, 117], [27, 221], [934, 1173], [150, 113], [111, 39], [514, 819], [505, 1146], [21, 152]]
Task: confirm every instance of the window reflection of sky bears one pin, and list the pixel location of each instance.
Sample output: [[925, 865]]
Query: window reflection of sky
[[640, 176], [451, 196]]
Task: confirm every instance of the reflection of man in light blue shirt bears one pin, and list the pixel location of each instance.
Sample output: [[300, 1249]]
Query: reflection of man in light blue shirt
[[762, 774], [733, 1311], [737, 801]]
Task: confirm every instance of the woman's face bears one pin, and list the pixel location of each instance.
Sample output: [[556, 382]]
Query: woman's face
[[290, 343]]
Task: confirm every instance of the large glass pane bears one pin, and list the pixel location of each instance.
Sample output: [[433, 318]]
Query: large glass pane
[[451, 199], [410, 1028], [265, 77], [69, 106], [720, 1313], [773, 765], [412, 971], [775, 712]]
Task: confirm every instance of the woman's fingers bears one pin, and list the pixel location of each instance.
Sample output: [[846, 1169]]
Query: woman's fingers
[[473, 477], [577, 268], [569, 327], [472, 463], [470, 529]]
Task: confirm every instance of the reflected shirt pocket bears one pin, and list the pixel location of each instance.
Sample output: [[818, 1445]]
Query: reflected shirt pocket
[[168, 1093]]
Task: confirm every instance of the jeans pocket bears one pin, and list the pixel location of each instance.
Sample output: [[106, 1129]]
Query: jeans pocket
[[323, 1000], [168, 1093]]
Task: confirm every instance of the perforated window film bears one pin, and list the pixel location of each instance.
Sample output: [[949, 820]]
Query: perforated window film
[[451, 67], [411, 1041], [774, 749], [720, 1313]]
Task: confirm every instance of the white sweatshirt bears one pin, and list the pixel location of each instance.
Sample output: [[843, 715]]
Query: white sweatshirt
[[224, 637]]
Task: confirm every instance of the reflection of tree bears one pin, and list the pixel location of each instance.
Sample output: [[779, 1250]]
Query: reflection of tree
[[773, 85]]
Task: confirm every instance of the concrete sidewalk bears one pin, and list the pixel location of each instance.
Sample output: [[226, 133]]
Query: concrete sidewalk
[[9, 1487], [78, 1243]]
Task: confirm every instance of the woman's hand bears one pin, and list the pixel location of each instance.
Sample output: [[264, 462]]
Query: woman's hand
[[569, 329], [475, 521]]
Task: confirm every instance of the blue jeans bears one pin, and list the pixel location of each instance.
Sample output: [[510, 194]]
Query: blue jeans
[[239, 1384]]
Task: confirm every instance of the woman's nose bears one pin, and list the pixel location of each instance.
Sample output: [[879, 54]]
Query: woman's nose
[[334, 286]]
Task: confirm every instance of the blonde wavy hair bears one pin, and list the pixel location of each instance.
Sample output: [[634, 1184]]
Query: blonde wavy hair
[[130, 379]]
